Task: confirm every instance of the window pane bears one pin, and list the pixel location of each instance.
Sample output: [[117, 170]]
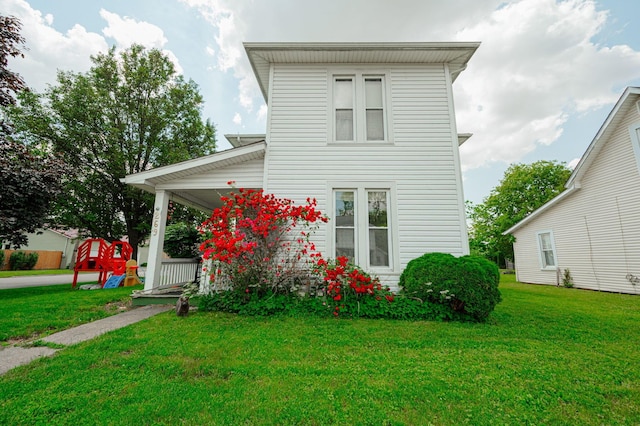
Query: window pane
[[548, 259], [545, 241], [344, 125], [343, 93], [345, 243], [377, 208], [344, 208], [375, 127], [378, 247], [373, 92]]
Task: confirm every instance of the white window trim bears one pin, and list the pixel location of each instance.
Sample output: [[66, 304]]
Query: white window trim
[[634, 134], [553, 248], [361, 228], [359, 75]]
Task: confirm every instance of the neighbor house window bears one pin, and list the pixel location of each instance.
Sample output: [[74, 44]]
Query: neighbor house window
[[361, 226], [547, 250], [634, 133], [359, 108]]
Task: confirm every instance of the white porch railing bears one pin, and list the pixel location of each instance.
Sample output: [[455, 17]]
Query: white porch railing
[[178, 271]]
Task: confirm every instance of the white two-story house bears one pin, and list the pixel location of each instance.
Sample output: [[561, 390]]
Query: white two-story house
[[368, 129]]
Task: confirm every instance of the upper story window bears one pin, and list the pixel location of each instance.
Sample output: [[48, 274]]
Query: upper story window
[[359, 112]]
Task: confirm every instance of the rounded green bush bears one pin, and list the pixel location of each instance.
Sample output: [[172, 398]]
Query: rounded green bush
[[468, 285]]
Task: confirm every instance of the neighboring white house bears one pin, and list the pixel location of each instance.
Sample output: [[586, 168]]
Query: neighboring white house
[[593, 227], [358, 126], [64, 241]]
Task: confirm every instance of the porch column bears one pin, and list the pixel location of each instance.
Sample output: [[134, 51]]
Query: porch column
[[156, 242]]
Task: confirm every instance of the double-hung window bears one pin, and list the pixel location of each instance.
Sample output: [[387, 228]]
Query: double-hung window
[[634, 133], [359, 112], [547, 250], [362, 226]]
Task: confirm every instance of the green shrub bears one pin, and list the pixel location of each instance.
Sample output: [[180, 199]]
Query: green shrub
[[1, 259], [254, 304], [32, 259], [467, 285], [181, 241], [567, 279], [20, 260]]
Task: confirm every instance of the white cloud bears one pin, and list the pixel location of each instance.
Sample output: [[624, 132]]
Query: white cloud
[[48, 49], [126, 31], [536, 65], [573, 163], [237, 119], [262, 113]]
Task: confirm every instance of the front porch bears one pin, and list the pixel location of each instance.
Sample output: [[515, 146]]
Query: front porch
[[197, 183]]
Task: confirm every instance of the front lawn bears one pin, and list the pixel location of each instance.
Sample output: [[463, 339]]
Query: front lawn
[[37, 311], [547, 355]]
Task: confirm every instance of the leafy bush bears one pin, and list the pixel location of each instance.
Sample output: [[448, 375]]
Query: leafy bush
[[1, 259], [181, 241], [20, 260], [261, 243], [401, 308], [567, 279], [467, 285], [348, 286]]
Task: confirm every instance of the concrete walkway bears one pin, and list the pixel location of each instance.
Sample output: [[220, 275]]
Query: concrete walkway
[[14, 356], [40, 280]]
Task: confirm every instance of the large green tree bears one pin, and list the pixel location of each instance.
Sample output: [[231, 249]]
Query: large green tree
[[130, 112], [11, 45], [523, 189], [29, 178]]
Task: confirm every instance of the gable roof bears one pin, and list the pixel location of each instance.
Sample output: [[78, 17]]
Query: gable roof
[[262, 55], [148, 180], [628, 100]]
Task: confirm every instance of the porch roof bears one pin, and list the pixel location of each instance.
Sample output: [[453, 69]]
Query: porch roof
[[202, 196]]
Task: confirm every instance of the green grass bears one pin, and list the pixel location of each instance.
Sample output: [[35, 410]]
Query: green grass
[[547, 356], [7, 274], [38, 311]]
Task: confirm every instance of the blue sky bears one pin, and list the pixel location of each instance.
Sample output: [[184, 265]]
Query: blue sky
[[543, 81]]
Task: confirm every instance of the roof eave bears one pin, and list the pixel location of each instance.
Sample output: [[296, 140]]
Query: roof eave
[[461, 51], [593, 147]]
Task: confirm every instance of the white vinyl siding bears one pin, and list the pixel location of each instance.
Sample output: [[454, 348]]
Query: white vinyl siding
[[596, 229], [249, 174], [417, 160]]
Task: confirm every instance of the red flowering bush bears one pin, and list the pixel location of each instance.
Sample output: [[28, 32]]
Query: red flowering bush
[[347, 286], [259, 243]]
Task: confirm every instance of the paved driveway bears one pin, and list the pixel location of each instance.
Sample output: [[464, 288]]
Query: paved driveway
[[40, 280]]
